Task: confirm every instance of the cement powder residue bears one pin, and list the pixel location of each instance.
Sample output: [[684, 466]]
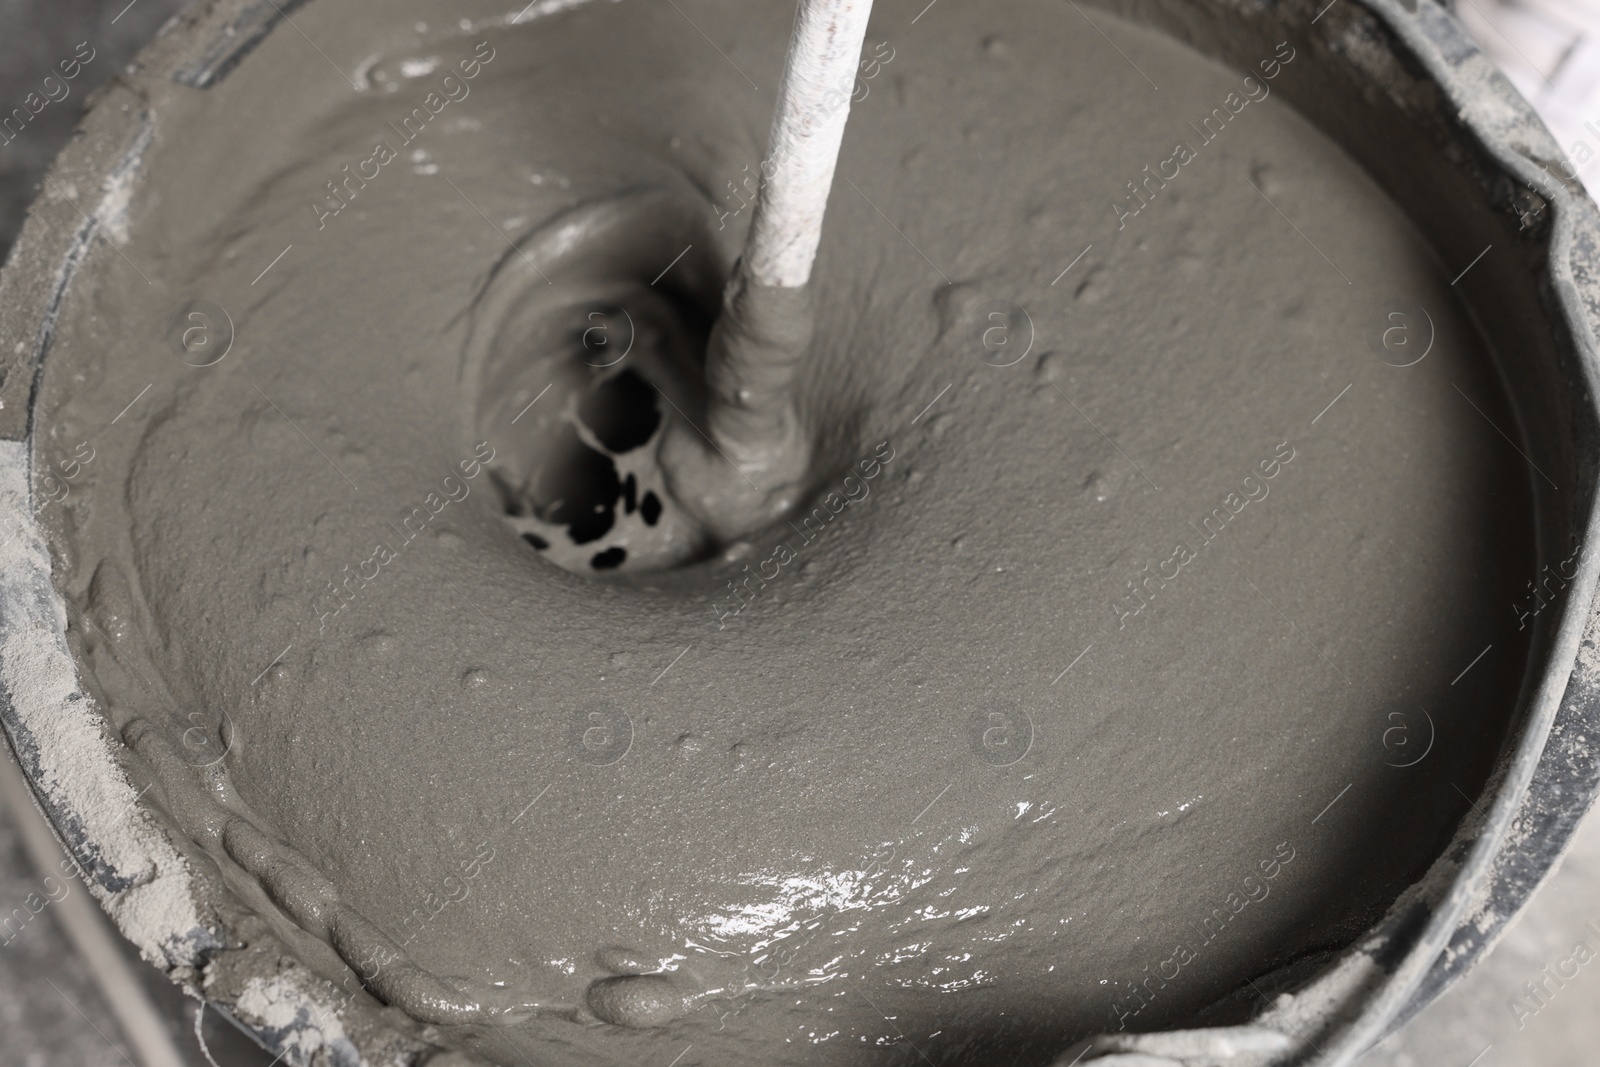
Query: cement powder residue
[[61, 738]]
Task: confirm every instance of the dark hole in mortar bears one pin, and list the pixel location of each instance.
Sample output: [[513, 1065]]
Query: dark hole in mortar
[[621, 412], [609, 559], [587, 476], [579, 487]]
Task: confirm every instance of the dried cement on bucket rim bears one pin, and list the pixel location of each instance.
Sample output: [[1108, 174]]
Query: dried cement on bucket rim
[[180, 915]]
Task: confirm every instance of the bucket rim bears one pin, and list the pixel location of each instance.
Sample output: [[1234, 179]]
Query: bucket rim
[[1544, 784]]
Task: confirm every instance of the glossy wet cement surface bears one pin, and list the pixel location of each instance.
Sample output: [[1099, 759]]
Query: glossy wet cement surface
[[1124, 654]]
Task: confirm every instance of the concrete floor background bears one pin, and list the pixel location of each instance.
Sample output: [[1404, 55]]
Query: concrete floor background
[[46, 992], [73, 993], [1533, 1002], [1491, 1018]]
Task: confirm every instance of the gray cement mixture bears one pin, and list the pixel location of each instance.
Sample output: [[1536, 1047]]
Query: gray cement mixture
[[1009, 734]]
